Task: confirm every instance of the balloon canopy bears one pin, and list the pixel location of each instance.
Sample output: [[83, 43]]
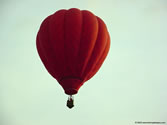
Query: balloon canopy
[[72, 45]]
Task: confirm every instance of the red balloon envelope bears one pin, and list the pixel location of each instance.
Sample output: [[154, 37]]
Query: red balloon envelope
[[72, 45]]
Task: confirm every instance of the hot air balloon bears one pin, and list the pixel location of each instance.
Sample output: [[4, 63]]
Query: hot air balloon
[[72, 45]]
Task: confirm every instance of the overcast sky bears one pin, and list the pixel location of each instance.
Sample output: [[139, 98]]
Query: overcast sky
[[130, 86]]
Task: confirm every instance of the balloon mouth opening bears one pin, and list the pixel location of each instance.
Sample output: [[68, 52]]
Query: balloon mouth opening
[[71, 91], [71, 85]]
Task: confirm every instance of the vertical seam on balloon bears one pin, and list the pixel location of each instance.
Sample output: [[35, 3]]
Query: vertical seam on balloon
[[63, 50], [65, 40], [103, 53], [57, 76], [94, 67], [92, 49], [80, 42], [89, 76], [49, 41], [41, 48], [65, 57], [81, 31], [82, 71]]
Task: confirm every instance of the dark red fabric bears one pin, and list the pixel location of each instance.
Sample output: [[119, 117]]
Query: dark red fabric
[[72, 45]]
